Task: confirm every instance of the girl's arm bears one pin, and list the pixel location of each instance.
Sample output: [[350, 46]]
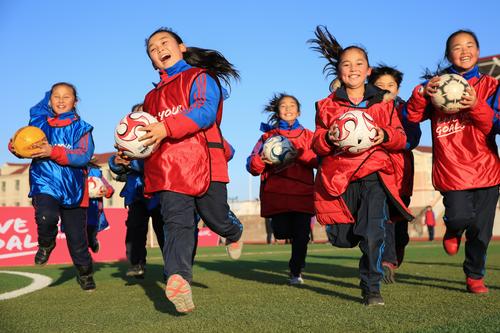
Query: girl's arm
[[78, 157], [418, 107], [42, 108], [307, 156], [395, 137], [109, 189], [485, 114], [255, 165], [321, 144], [118, 169], [412, 130], [228, 150]]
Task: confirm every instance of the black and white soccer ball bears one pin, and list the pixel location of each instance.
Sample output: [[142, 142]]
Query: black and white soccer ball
[[278, 149], [452, 88]]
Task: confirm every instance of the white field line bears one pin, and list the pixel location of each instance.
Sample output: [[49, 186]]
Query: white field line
[[39, 282]]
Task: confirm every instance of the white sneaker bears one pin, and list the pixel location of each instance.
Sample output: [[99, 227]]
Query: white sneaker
[[295, 280], [234, 249]]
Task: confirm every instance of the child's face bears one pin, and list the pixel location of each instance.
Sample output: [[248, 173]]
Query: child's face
[[288, 110], [164, 50], [62, 99], [387, 82], [463, 52], [353, 68]]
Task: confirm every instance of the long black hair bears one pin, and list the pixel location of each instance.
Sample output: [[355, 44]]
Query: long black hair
[[330, 49], [273, 107], [211, 60]]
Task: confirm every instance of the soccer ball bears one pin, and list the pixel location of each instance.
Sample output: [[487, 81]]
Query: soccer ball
[[95, 185], [356, 132], [278, 149], [26, 137], [128, 131], [449, 93]]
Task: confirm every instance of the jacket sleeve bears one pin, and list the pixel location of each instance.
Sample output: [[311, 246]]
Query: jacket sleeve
[[395, 135], [412, 130], [42, 108], [417, 109], [116, 168], [78, 157], [203, 105], [320, 143], [228, 150], [109, 189], [482, 116], [495, 102], [307, 156], [255, 165]]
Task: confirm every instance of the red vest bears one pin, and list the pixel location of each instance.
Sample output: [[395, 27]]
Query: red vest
[[187, 165]]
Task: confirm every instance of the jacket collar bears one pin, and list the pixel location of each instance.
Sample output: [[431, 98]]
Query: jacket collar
[[283, 125], [371, 96], [63, 119], [474, 72], [167, 74]]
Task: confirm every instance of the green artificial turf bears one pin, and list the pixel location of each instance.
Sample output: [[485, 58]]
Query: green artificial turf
[[251, 295], [10, 282]]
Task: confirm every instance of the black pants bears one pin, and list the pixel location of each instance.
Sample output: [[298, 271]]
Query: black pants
[[430, 228], [137, 230], [396, 237], [296, 227], [178, 211], [73, 220], [367, 202], [472, 211], [269, 230], [91, 234]]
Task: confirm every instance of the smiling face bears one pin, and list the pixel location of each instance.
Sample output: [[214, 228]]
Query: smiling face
[[387, 82], [353, 68], [463, 52], [288, 110], [164, 50], [62, 99]]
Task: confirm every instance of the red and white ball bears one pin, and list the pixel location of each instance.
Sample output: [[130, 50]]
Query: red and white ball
[[451, 90], [96, 187], [356, 132], [129, 130]]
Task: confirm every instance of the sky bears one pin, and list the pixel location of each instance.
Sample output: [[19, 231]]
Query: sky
[[99, 47]]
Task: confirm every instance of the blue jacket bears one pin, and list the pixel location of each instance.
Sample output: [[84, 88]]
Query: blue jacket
[[63, 175], [95, 212]]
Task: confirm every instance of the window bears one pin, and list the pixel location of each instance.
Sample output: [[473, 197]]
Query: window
[[16, 204], [3, 186], [17, 184]]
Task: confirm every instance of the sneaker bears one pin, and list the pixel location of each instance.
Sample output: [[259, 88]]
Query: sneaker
[[94, 247], [476, 286], [43, 254], [295, 280], [136, 271], [86, 282], [389, 272], [373, 299], [234, 249], [178, 291], [451, 243]]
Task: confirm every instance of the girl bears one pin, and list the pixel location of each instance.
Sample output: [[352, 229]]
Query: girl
[[352, 193], [286, 193], [189, 168], [396, 229], [96, 219], [466, 167], [58, 178]]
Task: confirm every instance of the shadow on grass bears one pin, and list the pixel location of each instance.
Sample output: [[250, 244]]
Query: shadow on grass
[[451, 264], [276, 273]]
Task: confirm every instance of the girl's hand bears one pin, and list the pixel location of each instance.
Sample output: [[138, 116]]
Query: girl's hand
[[265, 160], [102, 192], [122, 159], [42, 149], [155, 133], [469, 101], [431, 86], [379, 138], [333, 133], [12, 150]]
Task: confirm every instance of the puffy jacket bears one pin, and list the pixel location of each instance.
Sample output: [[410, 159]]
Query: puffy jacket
[[464, 151], [290, 189], [64, 174], [188, 102], [337, 170], [95, 212]]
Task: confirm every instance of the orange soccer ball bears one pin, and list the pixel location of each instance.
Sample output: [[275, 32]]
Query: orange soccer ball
[[24, 138]]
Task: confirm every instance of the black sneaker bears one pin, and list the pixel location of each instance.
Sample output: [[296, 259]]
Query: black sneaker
[[86, 282], [94, 246], [136, 271], [372, 298], [43, 254]]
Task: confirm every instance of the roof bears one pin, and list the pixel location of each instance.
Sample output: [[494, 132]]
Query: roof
[[424, 149]]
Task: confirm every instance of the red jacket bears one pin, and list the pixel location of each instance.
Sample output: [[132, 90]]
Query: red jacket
[[336, 171], [290, 189], [183, 163], [429, 218], [464, 154]]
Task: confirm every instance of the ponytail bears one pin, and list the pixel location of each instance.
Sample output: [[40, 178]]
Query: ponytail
[[329, 48]]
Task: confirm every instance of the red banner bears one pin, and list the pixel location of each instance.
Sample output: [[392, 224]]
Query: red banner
[[18, 238]]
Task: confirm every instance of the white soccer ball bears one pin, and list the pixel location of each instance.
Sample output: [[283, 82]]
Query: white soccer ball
[[278, 149], [356, 132], [95, 186], [129, 130], [449, 93]]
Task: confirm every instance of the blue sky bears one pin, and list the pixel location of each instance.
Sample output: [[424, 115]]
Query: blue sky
[[99, 47]]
